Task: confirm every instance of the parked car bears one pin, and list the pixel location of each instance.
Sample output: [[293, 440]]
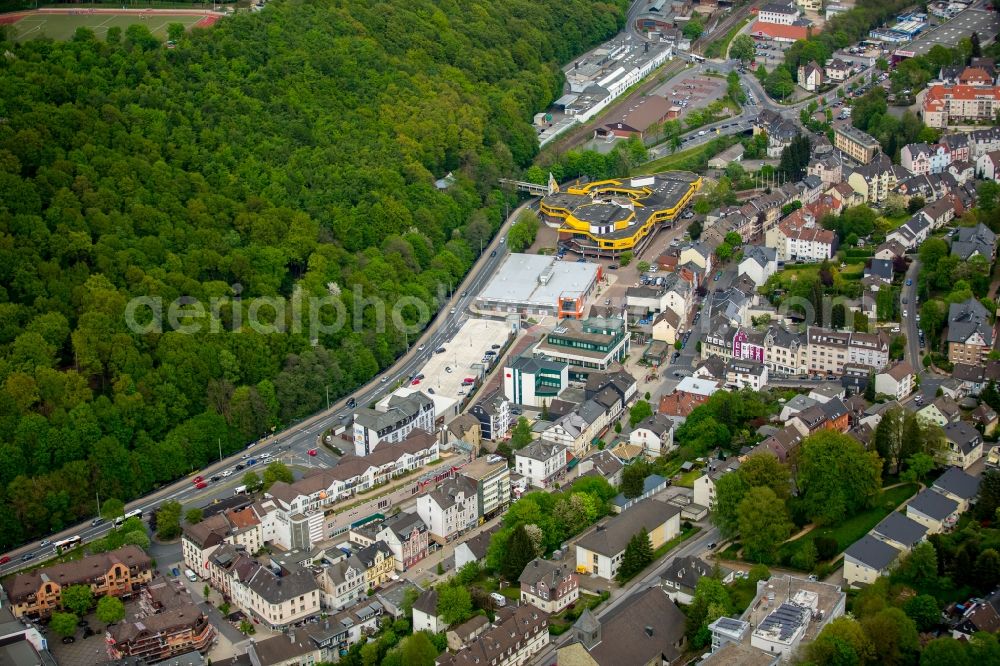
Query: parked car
[[439, 350], [68, 639], [415, 382]]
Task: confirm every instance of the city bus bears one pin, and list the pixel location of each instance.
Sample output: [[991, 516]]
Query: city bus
[[66, 544], [136, 513]]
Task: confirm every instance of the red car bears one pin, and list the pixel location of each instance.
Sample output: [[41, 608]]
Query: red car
[[198, 479], [200, 485], [312, 452], [469, 380], [5, 559], [414, 382]]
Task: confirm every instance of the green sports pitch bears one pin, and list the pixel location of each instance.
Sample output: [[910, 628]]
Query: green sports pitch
[[62, 26]]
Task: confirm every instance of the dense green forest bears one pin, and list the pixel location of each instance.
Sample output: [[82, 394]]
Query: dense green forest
[[294, 149]]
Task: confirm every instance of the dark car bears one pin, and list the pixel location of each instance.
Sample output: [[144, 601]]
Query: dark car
[[215, 478], [352, 403], [68, 639], [612, 267], [493, 253], [27, 556], [96, 521], [494, 346], [88, 632], [239, 467], [439, 350]]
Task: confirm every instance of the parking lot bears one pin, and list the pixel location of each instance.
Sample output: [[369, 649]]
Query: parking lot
[[770, 52], [692, 92], [462, 358]]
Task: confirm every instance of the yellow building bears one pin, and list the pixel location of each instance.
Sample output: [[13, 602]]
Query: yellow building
[[601, 550], [379, 563], [612, 216]]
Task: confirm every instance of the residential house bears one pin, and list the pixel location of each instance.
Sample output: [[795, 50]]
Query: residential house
[[171, 625], [473, 549], [934, 510], [378, 562], [828, 168], [920, 159], [681, 577], [897, 381], [742, 374], [119, 573], [704, 485], [941, 411], [518, 635], [603, 464], [810, 77], [678, 405], [965, 444], [988, 165], [600, 551], [801, 239], [974, 241], [783, 442], [899, 531], [971, 377], [838, 70], [985, 418], [449, 509], [425, 612], [867, 559], [958, 485], [402, 414], [492, 477], [881, 269], [549, 586], [542, 462], [970, 336], [857, 144], [406, 534], [647, 628], [780, 131], [493, 413], [911, 233], [343, 583], [467, 632], [667, 327], [874, 179], [945, 105], [759, 263], [890, 250], [655, 434]]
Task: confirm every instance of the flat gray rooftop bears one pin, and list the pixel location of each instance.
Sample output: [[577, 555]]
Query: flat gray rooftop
[[518, 282], [948, 34]]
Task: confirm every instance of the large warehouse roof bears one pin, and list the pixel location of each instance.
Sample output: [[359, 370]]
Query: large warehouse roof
[[535, 279]]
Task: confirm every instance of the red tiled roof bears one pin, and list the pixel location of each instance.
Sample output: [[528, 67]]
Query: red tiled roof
[[680, 403], [777, 31], [936, 95]]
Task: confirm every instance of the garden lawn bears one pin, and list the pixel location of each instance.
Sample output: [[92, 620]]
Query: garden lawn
[[692, 159], [855, 527], [564, 619], [688, 478]]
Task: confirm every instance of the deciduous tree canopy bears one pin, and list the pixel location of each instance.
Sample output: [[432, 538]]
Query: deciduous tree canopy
[[289, 150]]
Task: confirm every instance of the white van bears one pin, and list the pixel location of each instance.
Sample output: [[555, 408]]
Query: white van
[[191, 576], [498, 599]]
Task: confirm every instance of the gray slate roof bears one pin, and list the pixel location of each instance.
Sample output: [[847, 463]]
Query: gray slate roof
[[612, 537], [871, 552], [933, 504], [958, 483], [900, 529], [966, 318]]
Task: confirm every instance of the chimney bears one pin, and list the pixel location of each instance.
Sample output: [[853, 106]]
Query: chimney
[[649, 631], [291, 636]]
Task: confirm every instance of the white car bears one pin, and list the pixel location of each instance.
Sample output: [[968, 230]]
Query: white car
[[228, 472], [266, 454]]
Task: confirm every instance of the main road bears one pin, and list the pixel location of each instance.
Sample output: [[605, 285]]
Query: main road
[[303, 435]]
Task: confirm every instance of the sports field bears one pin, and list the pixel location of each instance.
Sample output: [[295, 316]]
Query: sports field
[[61, 26]]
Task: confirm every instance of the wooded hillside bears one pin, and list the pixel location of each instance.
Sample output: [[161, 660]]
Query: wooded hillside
[[294, 148]]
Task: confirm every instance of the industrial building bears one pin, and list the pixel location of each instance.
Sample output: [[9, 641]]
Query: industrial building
[[532, 284]]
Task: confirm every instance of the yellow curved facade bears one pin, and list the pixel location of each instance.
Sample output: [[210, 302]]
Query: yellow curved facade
[[651, 213]]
